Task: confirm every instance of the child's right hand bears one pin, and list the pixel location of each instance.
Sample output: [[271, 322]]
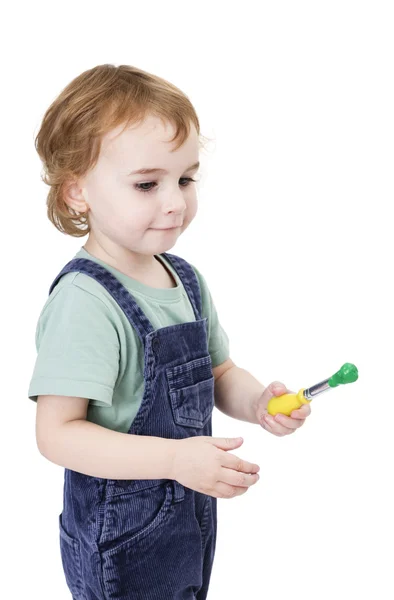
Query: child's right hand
[[202, 464]]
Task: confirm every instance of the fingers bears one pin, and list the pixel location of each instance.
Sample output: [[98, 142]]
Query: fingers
[[286, 422], [277, 388], [224, 490], [302, 413], [234, 462], [237, 478], [281, 425], [273, 427]]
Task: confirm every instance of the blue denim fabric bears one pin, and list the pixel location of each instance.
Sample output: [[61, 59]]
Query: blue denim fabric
[[147, 539]]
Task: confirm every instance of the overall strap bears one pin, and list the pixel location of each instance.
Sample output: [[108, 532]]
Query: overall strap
[[122, 296], [189, 280]]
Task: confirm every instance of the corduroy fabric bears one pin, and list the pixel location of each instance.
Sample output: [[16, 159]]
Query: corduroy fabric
[[147, 539]]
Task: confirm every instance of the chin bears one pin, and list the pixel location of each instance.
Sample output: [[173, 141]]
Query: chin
[[167, 245]]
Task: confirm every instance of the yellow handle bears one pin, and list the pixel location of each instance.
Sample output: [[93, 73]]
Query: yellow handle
[[286, 403]]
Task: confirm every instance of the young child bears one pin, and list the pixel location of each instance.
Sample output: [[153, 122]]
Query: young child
[[131, 355]]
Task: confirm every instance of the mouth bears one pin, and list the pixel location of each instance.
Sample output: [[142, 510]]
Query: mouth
[[165, 228]]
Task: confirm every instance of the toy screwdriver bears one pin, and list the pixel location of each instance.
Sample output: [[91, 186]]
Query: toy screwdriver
[[286, 403]]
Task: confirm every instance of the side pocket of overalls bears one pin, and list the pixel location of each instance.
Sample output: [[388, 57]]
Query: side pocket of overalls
[[71, 560], [191, 390]]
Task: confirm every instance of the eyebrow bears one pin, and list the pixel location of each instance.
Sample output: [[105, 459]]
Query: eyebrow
[[149, 171]]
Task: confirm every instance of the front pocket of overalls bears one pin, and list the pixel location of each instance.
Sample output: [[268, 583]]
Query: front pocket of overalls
[[191, 390], [71, 559], [132, 516]]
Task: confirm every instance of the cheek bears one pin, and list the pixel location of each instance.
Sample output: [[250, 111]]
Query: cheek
[[191, 209], [122, 210], [141, 215]]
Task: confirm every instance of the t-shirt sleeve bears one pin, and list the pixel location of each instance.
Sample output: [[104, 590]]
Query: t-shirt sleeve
[[78, 348], [218, 341]]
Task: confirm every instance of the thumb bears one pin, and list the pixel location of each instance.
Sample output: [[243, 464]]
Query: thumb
[[227, 443], [276, 388]]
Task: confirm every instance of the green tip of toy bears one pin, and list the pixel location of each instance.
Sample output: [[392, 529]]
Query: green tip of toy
[[346, 374]]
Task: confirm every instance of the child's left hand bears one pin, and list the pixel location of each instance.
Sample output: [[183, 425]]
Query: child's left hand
[[280, 424]]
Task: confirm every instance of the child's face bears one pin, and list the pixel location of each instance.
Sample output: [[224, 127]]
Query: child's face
[[119, 212]]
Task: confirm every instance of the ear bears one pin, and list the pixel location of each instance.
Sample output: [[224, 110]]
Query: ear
[[75, 197]]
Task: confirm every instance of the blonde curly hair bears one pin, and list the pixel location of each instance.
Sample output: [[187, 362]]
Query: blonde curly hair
[[92, 104]]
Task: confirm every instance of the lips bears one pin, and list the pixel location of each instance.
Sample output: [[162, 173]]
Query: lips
[[165, 228]]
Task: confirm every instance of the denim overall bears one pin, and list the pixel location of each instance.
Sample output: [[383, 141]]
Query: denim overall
[[147, 539]]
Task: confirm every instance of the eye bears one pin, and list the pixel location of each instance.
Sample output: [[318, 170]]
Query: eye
[[139, 187]]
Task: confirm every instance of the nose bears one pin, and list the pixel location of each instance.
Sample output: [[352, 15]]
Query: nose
[[175, 203]]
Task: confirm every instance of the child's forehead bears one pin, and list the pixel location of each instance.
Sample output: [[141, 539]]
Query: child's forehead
[[151, 140], [149, 127]]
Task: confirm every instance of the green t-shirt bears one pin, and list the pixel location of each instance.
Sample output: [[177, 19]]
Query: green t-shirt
[[87, 347]]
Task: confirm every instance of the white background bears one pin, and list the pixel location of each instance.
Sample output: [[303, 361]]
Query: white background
[[294, 237]]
